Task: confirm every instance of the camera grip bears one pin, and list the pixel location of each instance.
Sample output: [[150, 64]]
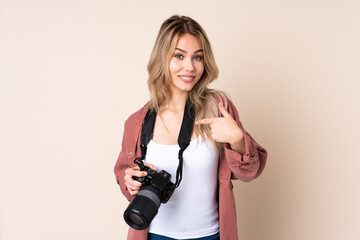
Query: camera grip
[[150, 172]]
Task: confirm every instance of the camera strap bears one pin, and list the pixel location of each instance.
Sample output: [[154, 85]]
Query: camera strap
[[183, 139]]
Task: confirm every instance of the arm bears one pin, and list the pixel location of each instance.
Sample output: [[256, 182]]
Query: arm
[[121, 165], [249, 163], [245, 157], [125, 168]]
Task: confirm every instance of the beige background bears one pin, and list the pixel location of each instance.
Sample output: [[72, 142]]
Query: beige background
[[72, 71]]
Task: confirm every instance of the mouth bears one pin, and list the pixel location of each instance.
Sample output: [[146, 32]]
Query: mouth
[[187, 78]]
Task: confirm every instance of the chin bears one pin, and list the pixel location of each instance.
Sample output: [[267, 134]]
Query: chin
[[187, 89], [182, 88]]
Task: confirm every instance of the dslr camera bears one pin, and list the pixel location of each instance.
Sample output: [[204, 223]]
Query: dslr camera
[[157, 188]]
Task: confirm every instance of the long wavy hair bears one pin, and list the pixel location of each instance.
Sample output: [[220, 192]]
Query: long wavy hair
[[159, 81]]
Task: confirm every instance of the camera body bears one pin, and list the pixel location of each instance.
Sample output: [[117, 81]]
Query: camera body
[[158, 182], [157, 188]]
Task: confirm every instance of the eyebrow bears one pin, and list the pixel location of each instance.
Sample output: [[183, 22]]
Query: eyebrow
[[181, 50]]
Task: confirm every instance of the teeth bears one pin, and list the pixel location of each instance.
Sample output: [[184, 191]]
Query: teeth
[[187, 78]]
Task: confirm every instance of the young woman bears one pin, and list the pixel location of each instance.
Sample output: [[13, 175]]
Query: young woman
[[180, 69]]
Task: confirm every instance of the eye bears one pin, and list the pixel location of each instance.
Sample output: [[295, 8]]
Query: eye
[[198, 58], [180, 56]]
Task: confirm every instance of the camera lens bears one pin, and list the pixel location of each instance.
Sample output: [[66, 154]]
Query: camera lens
[[142, 208], [136, 219]]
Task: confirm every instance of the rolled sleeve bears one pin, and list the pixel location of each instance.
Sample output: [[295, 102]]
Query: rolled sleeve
[[249, 165]]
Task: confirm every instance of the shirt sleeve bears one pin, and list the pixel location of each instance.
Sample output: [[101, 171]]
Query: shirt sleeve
[[121, 165], [250, 165]]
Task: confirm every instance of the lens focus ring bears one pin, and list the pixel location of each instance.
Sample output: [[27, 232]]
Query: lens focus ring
[[151, 195]]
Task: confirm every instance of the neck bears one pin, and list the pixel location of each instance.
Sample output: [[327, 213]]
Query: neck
[[177, 102]]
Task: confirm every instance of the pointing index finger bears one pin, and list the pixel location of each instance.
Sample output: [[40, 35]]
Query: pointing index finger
[[205, 121]]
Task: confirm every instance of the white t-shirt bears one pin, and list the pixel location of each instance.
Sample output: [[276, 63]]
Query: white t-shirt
[[192, 210]]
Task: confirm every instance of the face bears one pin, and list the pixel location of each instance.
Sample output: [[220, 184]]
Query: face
[[186, 65]]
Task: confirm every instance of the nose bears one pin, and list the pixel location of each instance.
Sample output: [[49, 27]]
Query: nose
[[189, 65]]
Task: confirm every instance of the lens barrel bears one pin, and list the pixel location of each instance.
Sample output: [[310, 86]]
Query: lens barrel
[[143, 208]]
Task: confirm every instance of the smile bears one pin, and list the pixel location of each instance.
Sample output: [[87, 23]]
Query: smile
[[186, 78]]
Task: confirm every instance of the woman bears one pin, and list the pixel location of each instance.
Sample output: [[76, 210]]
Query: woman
[[180, 69]]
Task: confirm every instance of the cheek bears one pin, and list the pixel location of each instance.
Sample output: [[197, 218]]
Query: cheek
[[200, 68], [173, 67]]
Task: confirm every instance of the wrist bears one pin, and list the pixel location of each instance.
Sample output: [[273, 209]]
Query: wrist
[[238, 143], [238, 138]]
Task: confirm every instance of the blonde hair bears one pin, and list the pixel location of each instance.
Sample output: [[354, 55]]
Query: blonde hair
[[159, 81]]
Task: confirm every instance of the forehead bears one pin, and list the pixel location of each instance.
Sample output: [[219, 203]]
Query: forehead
[[189, 42]]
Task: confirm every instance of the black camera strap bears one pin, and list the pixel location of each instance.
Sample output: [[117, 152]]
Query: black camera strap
[[183, 139]]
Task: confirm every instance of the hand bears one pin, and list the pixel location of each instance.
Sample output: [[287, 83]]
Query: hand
[[132, 185], [225, 129]]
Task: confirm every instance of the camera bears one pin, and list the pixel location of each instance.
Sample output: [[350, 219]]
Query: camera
[[157, 188]]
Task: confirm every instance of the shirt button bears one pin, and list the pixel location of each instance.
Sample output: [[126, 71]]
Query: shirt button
[[130, 153]]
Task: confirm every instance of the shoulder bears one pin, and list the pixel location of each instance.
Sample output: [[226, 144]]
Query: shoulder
[[137, 117], [221, 96]]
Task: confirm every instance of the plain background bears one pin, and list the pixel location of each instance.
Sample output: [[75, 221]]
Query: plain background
[[72, 71]]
